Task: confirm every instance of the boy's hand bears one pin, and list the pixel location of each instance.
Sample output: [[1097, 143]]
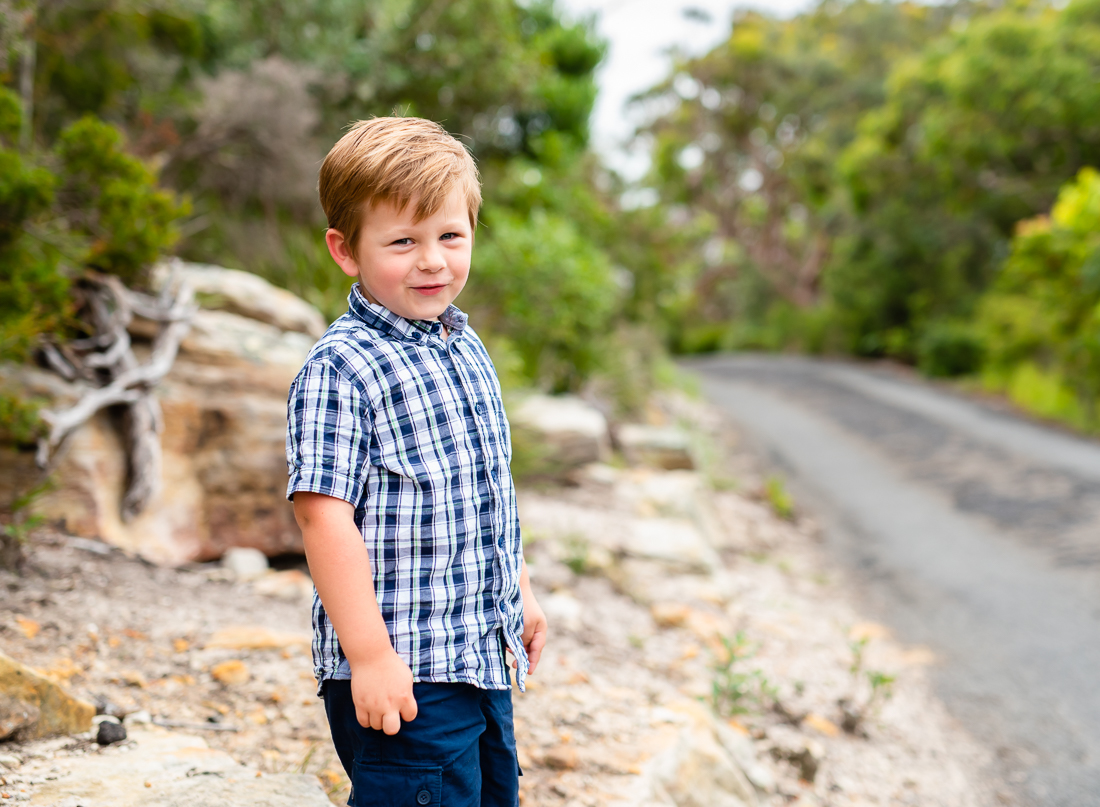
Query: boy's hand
[[382, 690], [534, 622]]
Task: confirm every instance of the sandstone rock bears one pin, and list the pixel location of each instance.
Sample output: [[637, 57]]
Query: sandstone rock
[[224, 466], [231, 672], [661, 446], [164, 769], [695, 770], [221, 337], [252, 637], [32, 706], [562, 432], [246, 294], [675, 543], [286, 585]]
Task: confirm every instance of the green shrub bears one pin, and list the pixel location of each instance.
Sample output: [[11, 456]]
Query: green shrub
[[1041, 320], [948, 348]]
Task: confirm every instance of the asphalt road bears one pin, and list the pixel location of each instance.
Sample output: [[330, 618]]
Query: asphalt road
[[966, 529]]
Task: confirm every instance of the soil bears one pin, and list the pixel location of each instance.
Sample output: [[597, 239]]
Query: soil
[[769, 639]]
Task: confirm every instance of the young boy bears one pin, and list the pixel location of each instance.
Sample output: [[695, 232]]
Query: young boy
[[398, 450]]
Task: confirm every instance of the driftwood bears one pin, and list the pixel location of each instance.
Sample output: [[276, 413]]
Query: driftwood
[[106, 361]]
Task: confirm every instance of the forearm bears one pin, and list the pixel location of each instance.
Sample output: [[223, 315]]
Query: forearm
[[341, 570]]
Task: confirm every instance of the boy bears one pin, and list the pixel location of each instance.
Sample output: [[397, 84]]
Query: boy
[[398, 450]]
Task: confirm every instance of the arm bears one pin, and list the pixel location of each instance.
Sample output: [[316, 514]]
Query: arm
[[534, 621], [381, 683]]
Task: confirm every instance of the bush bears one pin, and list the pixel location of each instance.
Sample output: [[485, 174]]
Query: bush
[[949, 348], [1041, 320]]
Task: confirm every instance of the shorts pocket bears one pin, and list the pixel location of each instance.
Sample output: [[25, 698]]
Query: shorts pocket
[[380, 785]]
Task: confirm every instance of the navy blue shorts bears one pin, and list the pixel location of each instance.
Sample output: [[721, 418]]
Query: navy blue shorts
[[460, 751]]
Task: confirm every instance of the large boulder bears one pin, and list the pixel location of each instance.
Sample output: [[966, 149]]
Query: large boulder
[[246, 294], [224, 467]]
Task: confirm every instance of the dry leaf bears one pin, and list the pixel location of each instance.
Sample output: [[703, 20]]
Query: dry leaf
[[822, 724], [29, 627]]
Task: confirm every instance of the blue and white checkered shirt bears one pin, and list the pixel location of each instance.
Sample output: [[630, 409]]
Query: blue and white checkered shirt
[[409, 427]]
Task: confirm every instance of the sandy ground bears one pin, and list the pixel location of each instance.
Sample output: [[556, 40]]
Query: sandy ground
[[634, 641]]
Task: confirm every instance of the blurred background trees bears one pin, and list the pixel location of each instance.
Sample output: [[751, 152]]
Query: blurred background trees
[[851, 180]]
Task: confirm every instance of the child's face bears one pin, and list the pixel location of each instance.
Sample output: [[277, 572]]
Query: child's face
[[415, 269]]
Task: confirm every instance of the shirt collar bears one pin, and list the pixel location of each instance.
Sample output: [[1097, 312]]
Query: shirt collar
[[416, 330]]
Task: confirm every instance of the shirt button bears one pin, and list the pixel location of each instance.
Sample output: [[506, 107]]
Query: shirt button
[[479, 408], [423, 797]]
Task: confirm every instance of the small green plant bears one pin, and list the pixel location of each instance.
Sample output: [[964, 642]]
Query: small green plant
[[576, 554], [881, 689], [17, 523], [733, 689], [777, 495]]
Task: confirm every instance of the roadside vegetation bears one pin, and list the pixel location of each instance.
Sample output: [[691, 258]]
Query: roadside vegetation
[[883, 180]]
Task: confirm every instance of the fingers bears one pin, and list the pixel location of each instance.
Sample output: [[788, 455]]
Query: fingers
[[534, 648], [391, 722], [409, 710]]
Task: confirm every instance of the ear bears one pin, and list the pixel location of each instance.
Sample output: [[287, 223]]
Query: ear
[[341, 253]]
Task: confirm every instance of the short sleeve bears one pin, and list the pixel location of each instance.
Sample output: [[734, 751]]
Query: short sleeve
[[326, 436]]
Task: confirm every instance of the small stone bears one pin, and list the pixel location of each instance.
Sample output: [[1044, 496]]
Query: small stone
[[110, 732], [139, 718], [107, 707], [231, 672], [254, 637], [244, 562], [9, 761], [562, 758]]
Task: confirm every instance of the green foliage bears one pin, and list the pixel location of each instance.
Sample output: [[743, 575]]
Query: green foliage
[[975, 134], [549, 291], [780, 499], [733, 690], [19, 421], [949, 348], [86, 204], [1041, 318], [112, 199], [747, 155]]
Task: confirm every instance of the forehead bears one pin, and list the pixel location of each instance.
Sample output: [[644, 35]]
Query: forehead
[[386, 213]]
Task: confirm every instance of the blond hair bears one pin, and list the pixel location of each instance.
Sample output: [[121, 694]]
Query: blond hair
[[396, 161]]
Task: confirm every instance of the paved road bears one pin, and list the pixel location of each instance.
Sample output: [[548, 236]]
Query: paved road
[[968, 530]]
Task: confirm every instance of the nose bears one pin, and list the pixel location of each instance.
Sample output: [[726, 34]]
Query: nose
[[431, 258]]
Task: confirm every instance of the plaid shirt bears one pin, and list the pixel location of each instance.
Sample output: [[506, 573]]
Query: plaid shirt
[[409, 428]]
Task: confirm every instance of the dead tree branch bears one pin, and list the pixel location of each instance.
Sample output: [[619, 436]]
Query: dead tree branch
[[110, 359]]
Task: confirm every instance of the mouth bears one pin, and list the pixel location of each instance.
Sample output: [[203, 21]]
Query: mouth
[[429, 291]]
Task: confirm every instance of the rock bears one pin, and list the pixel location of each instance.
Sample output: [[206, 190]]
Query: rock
[[246, 294], [252, 637], [695, 770], [10, 761], [15, 715], [224, 466], [563, 610], [110, 732], [675, 543], [244, 562], [561, 758], [803, 753], [561, 433], [231, 672], [219, 337], [139, 718], [32, 706], [165, 769], [661, 446], [286, 585]]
